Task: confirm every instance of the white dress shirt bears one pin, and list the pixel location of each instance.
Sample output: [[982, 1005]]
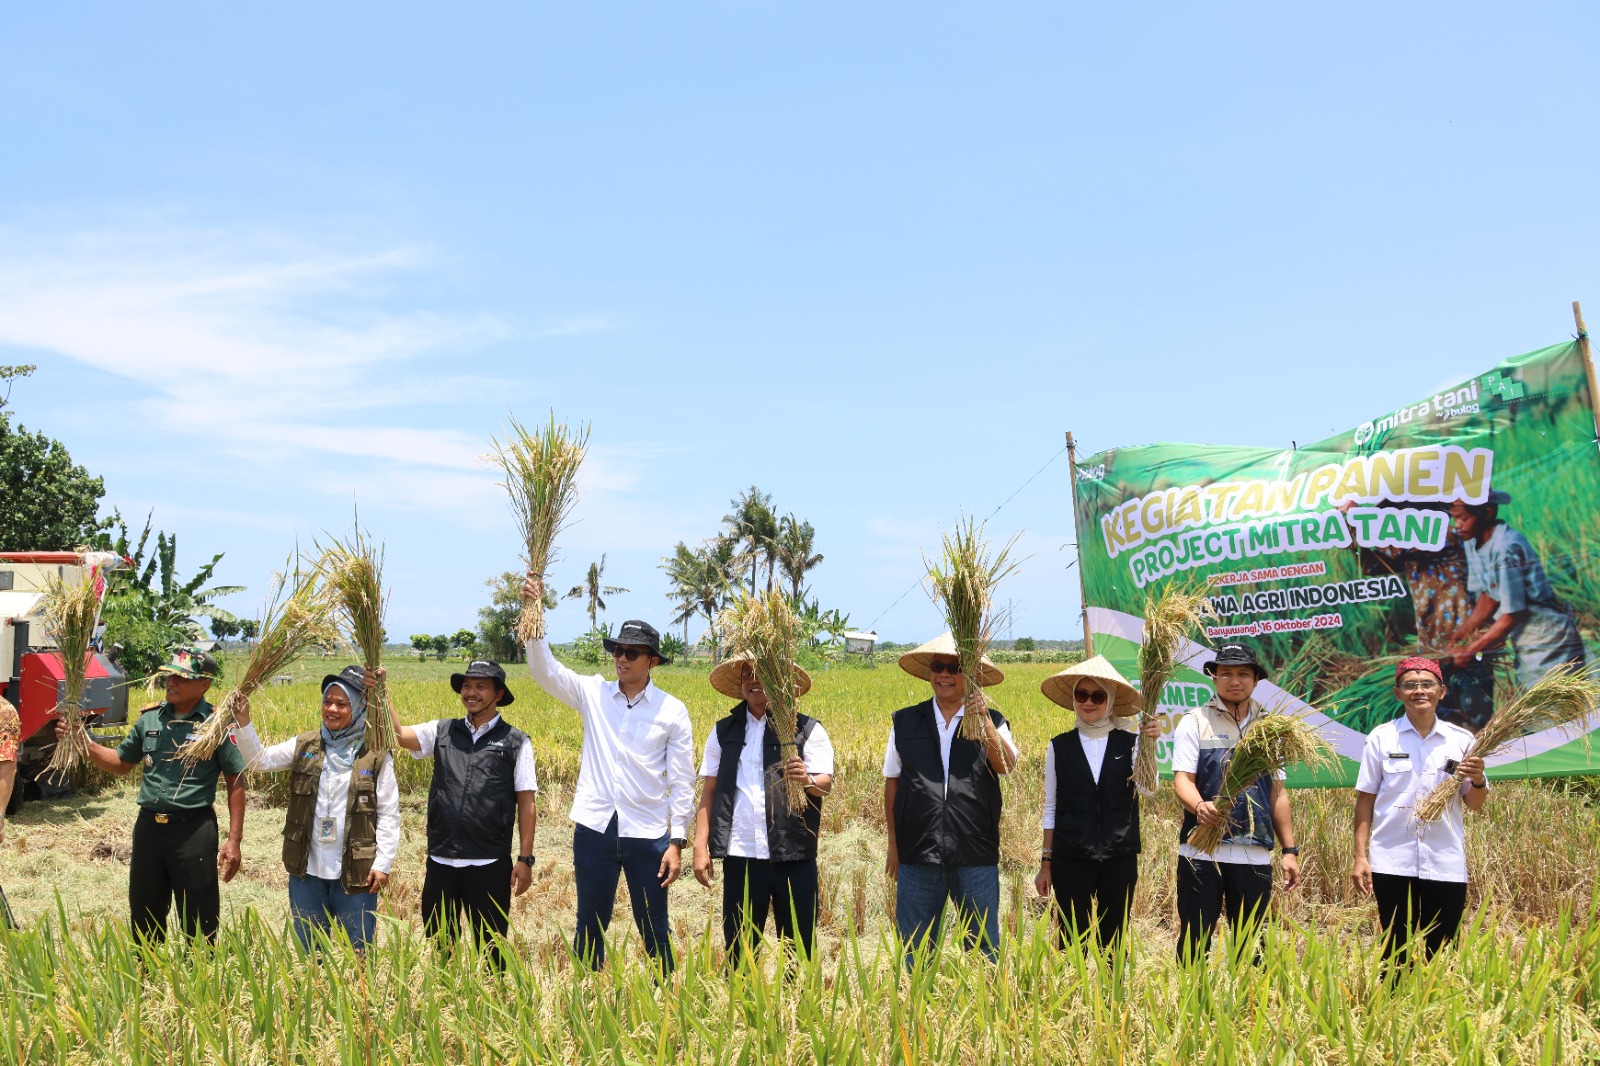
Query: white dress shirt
[[747, 837], [1400, 767], [1094, 749], [326, 859], [1186, 758], [947, 733], [637, 761], [524, 776]]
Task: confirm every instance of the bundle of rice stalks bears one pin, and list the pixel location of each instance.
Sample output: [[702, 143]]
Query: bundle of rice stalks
[[1169, 619], [541, 476], [290, 627], [764, 630], [71, 612], [962, 582], [1273, 742], [1563, 699], [353, 571]]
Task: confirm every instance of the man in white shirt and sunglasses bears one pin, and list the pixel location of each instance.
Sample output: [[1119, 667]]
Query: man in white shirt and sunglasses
[[635, 794]]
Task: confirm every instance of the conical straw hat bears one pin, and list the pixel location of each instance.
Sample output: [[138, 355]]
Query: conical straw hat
[[1124, 697], [915, 662], [725, 677]]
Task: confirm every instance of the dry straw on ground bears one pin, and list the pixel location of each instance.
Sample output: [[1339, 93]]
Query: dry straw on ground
[[1563, 699], [541, 476], [353, 570], [71, 611], [764, 630], [1169, 620], [1273, 742], [291, 626], [962, 581]]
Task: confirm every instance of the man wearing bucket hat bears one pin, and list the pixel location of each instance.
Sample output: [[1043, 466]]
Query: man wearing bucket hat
[[941, 800], [341, 828], [175, 849], [1238, 878], [768, 852], [484, 782], [635, 793], [1091, 805], [1515, 603]]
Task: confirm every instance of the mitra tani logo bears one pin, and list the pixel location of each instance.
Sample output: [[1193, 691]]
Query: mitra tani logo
[[1493, 387]]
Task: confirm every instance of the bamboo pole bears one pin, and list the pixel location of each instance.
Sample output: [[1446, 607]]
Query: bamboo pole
[[1588, 366], [1083, 593]]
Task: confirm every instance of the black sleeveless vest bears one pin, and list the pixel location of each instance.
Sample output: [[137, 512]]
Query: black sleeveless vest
[[790, 837], [472, 801], [1095, 821], [935, 827]]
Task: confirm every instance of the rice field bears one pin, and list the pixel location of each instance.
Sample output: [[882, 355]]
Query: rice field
[[1522, 985]]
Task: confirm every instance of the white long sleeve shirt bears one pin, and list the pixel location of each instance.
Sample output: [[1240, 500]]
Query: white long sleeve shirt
[[637, 761], [333, 791]]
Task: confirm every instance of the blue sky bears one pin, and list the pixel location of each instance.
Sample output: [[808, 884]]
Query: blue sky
[[872, 258]]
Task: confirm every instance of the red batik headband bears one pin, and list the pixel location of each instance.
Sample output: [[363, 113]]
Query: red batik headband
[[1417, 662]]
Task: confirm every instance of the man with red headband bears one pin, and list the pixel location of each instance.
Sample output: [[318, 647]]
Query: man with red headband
[[1417, 871]]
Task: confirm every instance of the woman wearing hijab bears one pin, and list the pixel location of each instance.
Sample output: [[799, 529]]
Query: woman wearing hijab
[[342, 828], [1091, 806]]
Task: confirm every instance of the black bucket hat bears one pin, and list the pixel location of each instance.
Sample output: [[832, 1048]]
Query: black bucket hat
[[353, 678], [640, 635], [485, 668], [1235, 655]]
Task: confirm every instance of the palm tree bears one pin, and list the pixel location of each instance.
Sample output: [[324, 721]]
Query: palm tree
[[702, 581], [593, 590], [753, 524], [793, 550]]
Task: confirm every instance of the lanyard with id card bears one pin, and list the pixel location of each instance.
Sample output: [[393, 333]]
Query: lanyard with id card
[[326, 831]]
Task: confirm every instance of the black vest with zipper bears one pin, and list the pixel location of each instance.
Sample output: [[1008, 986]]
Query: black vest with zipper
[[790, 836], [1095, 820], [472, 800], [933, 825]]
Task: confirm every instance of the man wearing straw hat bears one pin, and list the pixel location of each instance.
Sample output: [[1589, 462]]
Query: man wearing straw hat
[[1238, 878], [484, 783], [635, 793], [175, 849], [768, 852], [1091, 804], [941, 801]]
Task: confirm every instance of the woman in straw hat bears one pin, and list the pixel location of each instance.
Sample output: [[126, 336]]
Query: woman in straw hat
[[768, 852], [941, 799], [1091, 806]]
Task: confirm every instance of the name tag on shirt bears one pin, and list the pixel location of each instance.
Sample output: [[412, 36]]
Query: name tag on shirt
[[325, 831], [1398, 755]]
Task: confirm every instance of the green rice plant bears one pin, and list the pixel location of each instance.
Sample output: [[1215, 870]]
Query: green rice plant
[[541, 478], [765, 630], [71, 611], [962, 582]]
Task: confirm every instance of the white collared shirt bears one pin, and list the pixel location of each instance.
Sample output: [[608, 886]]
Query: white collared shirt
[[947, 733], [1094, 750], [1186, 758], [524, 775], [1400, 767], [637, 762], [326, 859], [747, 837]]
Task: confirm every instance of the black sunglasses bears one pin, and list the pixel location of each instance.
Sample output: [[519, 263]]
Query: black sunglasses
[[1083, 695], [629, 652], [939, 666]]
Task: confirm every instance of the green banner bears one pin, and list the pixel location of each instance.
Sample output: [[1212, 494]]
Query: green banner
[[1462, 527]]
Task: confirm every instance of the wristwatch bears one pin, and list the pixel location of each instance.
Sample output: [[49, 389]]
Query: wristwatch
[[527, 859], [1292, 849], [680, 842]]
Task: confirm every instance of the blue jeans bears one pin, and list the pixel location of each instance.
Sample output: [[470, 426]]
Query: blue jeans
[[598, 859], [317, 903], [920, 894]]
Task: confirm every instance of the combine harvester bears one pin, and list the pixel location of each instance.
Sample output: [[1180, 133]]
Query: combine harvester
[[30, 668]]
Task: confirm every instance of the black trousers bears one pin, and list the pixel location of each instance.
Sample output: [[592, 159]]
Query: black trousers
[[483, 892], [1086, 885], [753, 887], [1408, 906], [1206, 889], [175, 860]]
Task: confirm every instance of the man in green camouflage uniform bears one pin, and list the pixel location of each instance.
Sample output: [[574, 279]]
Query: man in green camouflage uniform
[[175, 847]]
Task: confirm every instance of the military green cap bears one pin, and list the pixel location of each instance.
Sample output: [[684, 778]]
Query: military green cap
[[189, 661]]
